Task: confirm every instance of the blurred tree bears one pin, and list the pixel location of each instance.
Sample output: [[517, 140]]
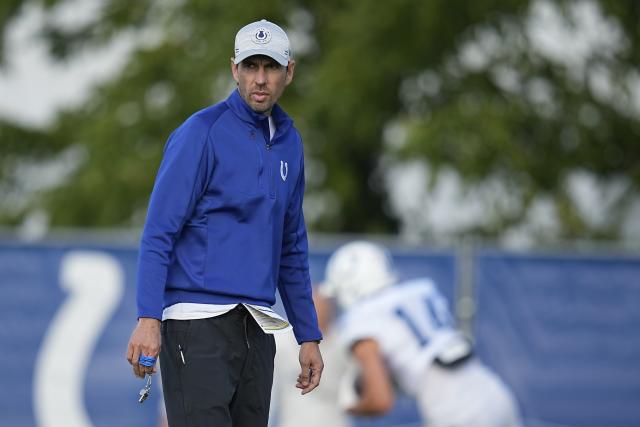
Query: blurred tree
[[547, 105], [362, 66]]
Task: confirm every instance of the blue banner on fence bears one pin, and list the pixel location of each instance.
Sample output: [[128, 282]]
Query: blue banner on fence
[[66, 313], [563, 332]]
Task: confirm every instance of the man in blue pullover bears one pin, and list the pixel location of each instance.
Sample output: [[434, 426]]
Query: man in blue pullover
[[224, 228]]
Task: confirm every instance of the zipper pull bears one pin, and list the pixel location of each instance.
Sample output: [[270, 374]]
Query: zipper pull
[[181, 354]]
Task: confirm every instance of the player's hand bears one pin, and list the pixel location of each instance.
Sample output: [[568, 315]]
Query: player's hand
[[311, 365], [144, 341]]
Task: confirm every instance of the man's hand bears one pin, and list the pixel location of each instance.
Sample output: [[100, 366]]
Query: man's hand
[[311, 366], [144, 341]]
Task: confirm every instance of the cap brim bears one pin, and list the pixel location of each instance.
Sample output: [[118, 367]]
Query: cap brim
[[281, 59]]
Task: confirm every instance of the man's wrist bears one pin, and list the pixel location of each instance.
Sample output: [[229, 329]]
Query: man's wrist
[[148, 321]]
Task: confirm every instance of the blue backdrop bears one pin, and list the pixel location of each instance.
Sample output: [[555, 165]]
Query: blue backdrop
[[564, 332], [561, 330]]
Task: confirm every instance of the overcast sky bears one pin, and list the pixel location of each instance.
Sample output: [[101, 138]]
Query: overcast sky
[[32, 87]]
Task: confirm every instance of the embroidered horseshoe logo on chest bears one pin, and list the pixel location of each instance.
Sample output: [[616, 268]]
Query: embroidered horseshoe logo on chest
[[284, 170]]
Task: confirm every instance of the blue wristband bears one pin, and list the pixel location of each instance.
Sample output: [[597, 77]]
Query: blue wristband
[[147, 361]]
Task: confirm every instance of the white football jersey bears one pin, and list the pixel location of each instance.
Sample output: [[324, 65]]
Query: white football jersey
[[412, 324]]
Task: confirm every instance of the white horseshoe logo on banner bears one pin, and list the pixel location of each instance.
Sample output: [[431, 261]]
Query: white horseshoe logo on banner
[[94, 282]]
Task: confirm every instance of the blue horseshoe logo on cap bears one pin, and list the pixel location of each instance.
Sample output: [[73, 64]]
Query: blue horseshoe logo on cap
[[262, 35]]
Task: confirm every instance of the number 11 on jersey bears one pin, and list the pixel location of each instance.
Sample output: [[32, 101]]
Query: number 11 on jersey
[[437, 318]]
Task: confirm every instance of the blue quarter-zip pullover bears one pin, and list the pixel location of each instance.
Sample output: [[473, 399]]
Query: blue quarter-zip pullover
[[225, 222]]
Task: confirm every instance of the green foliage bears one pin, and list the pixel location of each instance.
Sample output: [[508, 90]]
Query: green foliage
[[534, 144], [358, 75], [368, 49]]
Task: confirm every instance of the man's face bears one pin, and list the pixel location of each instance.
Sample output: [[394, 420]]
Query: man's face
[[261, 81]]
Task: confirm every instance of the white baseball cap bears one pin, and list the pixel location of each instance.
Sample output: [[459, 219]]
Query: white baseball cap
[[262, 38]]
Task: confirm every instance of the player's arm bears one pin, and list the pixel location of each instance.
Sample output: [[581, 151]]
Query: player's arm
[[376, 395]]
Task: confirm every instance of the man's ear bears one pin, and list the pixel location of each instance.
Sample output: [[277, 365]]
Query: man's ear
[[234, 70], [290, 69]]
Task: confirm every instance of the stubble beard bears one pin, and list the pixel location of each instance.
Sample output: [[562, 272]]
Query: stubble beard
[[258, 107]]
